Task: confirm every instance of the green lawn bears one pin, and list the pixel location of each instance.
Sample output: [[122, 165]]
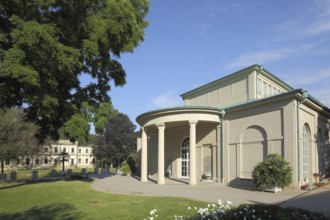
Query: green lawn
[[77, 200]]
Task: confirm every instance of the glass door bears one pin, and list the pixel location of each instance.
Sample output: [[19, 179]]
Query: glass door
[[185, 159]]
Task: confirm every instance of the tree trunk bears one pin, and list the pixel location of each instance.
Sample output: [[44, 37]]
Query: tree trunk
[[2, 166], [63, 163]]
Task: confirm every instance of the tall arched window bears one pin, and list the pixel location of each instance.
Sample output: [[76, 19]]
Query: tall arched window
[[305, 152], [185, 159]]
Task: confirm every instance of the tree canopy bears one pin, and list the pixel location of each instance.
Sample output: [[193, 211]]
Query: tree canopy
[[102, 115], [78, 126], [46, 45], [117, 139]]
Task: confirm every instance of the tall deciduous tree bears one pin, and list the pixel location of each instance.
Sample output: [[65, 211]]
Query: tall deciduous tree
[[15, 133], [46, 45], [102, 114], [117, 139], [77, 127]]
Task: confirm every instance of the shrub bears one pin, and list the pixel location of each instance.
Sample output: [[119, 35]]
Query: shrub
[[125, 168], [77, 177], [274, 171], [132, 162]]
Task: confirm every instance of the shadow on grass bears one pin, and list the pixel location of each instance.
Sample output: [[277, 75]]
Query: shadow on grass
[[14, 184], [50, 212]]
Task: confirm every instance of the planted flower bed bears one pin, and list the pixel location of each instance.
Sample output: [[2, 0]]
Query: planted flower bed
[[312, 186], [225, 210]]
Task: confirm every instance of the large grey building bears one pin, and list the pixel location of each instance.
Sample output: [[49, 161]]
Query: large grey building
[[228, 126]]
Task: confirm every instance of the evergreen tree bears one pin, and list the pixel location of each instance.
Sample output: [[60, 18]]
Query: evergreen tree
[[116, 141]]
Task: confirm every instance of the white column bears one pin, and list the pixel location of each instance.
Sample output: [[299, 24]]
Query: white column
[[144, 157], [218, 152], [139, 151], [192, 151], [161, 153]]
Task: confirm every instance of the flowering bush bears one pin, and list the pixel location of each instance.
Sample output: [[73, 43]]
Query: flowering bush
[[212, 211], [225, 210], [153, 215]]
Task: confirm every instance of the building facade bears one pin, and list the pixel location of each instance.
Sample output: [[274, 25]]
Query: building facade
[[228, 126], [79, 156]]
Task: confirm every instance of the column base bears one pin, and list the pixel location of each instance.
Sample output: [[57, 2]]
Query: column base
[[161, 182], [192, 182]]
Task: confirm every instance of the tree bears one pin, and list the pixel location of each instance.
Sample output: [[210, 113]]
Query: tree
[[15, 133], [102, 115], [45, 46], [62, 158], [117, 140], [31, 148], [77, 127]]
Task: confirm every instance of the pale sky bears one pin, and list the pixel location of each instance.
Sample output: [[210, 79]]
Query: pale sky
[[190, 43]]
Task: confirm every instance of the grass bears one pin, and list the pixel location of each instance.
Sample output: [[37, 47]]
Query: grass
[[76, 200], [70, 200]]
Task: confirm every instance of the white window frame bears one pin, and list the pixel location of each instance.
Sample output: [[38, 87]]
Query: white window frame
[[259, 87], [185, 146], [305, 152], [269, 90], [265, 86]]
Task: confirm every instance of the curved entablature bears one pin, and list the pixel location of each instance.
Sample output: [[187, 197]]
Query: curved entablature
[[179, 114]]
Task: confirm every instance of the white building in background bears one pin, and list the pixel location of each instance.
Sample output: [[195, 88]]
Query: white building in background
[[79, 156]]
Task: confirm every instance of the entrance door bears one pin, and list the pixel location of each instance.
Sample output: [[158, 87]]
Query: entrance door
[[185, 159]]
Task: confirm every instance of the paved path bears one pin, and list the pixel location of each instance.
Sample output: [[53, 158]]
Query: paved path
[[316, 200]]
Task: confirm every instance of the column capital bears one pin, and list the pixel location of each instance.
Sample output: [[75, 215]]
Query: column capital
[[160, 125], [193, 122]]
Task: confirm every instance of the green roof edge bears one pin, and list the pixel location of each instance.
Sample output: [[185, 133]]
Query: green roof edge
[[253, 67], [184, 107], [301, 91]]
